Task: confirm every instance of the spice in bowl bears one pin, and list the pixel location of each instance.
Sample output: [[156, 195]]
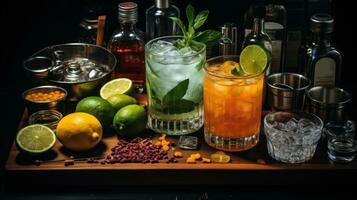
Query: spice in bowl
[[44, 98], [45, 95]]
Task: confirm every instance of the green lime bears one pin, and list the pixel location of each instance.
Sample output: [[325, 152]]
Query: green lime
[[220, 158], [35, 139], [98, 107], [130, 120], [117, 86], [254, 59], [120, 100]]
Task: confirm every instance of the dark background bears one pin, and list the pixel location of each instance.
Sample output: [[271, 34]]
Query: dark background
[[28, 26]]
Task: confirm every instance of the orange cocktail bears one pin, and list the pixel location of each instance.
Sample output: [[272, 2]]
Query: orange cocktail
[[232, 105]]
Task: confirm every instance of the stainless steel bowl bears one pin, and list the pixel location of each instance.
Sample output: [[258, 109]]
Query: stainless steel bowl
[[34, 106], [79, 68], [286, 91], [329, 103]]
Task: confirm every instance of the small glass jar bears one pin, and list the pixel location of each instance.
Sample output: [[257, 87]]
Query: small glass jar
[[49, 118]]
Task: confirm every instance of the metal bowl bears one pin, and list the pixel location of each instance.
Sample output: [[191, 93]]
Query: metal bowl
[[34, 106], [62, 65]]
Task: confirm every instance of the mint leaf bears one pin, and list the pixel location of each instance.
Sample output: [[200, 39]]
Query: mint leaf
[[208, 36], [190, 13], [180, 106], [235, 72], [200, 19], [177, 92], [179, 22]]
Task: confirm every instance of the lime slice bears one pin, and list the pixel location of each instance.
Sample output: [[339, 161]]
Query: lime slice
[[116, 86], [220, 158], [254, 59], [35, 139]]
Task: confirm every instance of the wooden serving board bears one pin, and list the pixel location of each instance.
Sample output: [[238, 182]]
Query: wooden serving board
[[249, 167]]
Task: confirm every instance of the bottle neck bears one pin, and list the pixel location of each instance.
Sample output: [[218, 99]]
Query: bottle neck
[[127, 25], [258, 27], [322, 39], [162, 3]]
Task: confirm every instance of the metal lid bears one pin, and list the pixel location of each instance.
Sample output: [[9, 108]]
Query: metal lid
[[321, 23], [162, 3], [128, 12]]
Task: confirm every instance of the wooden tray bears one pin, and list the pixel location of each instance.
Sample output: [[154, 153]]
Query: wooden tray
[[250, 167]]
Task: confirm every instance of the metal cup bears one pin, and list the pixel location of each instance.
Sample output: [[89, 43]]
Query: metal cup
[[329, 103], [286, 91]]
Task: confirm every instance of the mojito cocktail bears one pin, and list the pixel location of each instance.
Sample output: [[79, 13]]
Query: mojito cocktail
[[232, 104], [174, 80]]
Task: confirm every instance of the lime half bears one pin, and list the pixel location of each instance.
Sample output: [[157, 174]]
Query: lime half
[[35, 139], [116, 86], [254, 59]]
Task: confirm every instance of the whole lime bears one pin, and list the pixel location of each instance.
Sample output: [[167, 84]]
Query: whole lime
[[130, 120], [120, 100], [98, 107]]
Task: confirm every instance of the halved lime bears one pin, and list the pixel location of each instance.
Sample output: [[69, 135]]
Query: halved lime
[[35, 139], [254, 59], [116, 86]]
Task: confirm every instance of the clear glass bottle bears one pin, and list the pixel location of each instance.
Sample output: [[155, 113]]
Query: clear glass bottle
[[275, 27], [258, 36], [228, 44], [127, 44], [88, 26], [324, 60], [158, 22]]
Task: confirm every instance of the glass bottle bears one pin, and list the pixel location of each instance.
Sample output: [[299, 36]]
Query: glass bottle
[[158, 22], [89, 24], [127, 44], [228, 44], [275, 27], [324, 60], [258, 36]]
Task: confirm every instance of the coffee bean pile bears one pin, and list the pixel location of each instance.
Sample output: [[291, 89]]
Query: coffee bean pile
[[138, 150]]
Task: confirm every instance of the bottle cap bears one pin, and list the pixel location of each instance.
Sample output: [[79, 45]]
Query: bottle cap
[[128, 12], [321, 23], [162, 3]]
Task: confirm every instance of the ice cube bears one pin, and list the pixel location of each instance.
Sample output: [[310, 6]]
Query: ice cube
[[291, 125], [306, 125]]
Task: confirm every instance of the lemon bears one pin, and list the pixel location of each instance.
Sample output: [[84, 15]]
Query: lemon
[[98, 107], [254, 59], [220, 158], [79, 131], [130, 120], [120, 100], [117, 86], [35, 139]]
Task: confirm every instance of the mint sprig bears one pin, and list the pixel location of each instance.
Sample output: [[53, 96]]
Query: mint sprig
[[191, 36]]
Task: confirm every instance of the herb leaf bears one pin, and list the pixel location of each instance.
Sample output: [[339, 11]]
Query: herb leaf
[[179, 22], [235, 72], [200, 19], [208, 36], [191, 37], [190, 13], [177, 92]]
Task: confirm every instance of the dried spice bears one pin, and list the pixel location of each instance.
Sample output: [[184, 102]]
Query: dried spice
[[137, 150]]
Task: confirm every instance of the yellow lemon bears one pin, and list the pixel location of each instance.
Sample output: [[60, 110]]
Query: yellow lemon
[[79, 131]]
